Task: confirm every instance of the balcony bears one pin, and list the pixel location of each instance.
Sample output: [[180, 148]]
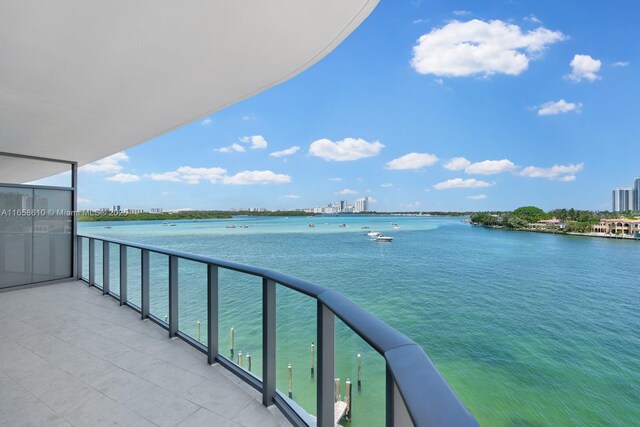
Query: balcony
[[70, 357]]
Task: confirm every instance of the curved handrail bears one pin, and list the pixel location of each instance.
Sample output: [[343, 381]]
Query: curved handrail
[[428, 398]]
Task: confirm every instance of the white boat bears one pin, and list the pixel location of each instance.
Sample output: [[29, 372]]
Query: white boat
[[383, 238], [396, 226], [373, 234]]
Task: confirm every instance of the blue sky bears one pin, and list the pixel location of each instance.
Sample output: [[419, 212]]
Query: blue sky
[[428, 105]]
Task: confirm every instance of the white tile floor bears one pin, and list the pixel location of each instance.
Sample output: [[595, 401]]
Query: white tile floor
[[70, 356]]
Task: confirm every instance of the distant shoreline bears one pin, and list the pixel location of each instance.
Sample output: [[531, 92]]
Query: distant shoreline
[[196, 215], [568, 233]]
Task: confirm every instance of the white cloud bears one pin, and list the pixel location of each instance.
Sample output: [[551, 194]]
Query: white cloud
[[457, 164], [256, 177], [564, 173], [347, 191], [373, 200], [257, 141], [584, 67], [486, 167], [290, 196], [345, 150], [490, 167], [461, 12], [412, 161], [165, 176], [478, 197], [386, 185], [420, 21], [462, 183], [109, 164], [621, 64], [233, 147], [206, 122], [193, 175], [248, 117], [558, 107], [287, 152], [336, 179], [533, 19], [123, 177], [83, 201], [480, 48], [190, 175]]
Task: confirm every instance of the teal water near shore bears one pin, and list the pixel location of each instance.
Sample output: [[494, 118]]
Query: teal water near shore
[[529, 329]]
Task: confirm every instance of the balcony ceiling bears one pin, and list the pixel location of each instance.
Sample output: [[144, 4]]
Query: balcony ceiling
[[83, 79]]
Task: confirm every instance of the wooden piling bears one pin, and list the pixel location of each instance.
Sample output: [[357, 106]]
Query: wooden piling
[[313, 357], [347, 397], [337, 390], [359, 372], [249, 362], [198, 328], [232, 339], [290, 381], [240, 359]]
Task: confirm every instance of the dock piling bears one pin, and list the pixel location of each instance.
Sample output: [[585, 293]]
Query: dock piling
[[249, 362], [232, 339], [313, 356], [240, 359], [198, 328], [290, 381], [347, 397], [359, 372]]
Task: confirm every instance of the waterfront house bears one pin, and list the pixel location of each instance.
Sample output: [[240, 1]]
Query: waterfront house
[[548, 224], [618, 226]]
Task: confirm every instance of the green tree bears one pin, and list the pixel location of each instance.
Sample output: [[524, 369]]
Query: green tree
[[530, 214]]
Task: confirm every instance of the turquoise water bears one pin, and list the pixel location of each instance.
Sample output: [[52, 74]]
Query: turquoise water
[[529, 329]]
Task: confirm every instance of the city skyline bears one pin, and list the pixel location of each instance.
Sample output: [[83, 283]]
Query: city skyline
[[391, 115]]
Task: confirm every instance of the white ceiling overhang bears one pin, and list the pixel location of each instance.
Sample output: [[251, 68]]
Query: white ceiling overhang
[[83, 79]]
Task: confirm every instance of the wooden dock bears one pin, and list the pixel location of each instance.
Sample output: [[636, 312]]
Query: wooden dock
[[340, 408]]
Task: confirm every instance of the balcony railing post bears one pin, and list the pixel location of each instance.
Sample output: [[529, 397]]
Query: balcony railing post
[[325, 380], [173, 296], [389, 398], [212, 313], [92, 262], [123, 275], [106, 269], [144, 285], [268, 341], [78, 274], [400, 413]]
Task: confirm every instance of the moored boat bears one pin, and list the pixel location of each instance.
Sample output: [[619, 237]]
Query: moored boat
[[383, 238]]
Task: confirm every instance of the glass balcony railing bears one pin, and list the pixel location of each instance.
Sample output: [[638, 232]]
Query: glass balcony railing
[[279, 334]]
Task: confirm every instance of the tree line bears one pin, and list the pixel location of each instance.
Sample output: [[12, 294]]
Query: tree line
[[579, 221]]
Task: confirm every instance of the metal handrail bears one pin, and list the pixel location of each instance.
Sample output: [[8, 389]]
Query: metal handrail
[[416, 393]]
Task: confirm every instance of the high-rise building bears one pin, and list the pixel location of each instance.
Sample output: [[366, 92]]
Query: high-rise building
[[362, 205], [623, 199], [636, 188]]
